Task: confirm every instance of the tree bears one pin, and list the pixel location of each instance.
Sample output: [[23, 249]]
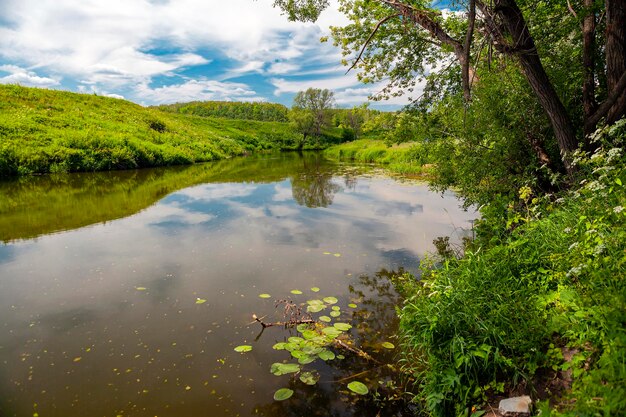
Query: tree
[[311, 110], [405, 41]]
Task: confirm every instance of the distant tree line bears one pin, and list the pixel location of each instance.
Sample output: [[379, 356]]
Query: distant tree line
[[264, 112]]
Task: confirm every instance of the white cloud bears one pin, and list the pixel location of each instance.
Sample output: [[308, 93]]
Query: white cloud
[[292, 86], [18, 75], [197, 90]]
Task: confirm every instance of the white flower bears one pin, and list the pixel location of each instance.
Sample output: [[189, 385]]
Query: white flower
[[618, 209]]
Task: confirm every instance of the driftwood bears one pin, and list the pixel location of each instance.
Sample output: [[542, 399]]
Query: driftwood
[[337, 342]]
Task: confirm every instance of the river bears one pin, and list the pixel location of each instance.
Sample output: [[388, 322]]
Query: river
[[125, 293]]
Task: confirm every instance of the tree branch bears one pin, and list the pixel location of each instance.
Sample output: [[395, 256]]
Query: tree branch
[[369, 39], [465, 63], [604, 108]]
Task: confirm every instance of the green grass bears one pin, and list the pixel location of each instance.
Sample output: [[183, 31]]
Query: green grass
[[498, 320], [406, 158], [48, 131]]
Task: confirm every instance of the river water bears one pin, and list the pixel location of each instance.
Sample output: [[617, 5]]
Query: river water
[[125, 293]]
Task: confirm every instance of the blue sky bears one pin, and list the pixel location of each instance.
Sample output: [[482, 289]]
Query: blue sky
[[165, 51]]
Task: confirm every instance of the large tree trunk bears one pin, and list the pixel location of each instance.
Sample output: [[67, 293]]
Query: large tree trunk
[[615, 55], [533, 69], [589, 82]]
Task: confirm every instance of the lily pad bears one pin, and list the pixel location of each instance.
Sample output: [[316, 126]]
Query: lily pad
[[279, 346], [243, 348], [296, 292], [315, 308], [295, 339], [331, 331], [315, 289], [330, 300], [352, 305], [388, 345], [200, 301], [140, 288], [309, 378], [309, 334], [306, 360], [344, 327], [279, 369], [326, 355], [265, 296], [336, 308], [358, 387], [283, 394], [335, 313], [336, 255], [325, 319]]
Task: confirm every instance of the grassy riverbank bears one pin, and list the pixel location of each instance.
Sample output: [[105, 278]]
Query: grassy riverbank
[[44, 131], [537, 305], [406, 158]]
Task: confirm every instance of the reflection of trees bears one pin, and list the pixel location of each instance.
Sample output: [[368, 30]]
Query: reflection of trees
[[313, 185], [375, 321]]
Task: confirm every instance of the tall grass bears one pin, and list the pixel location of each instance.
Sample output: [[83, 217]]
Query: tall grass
[[43, 131]]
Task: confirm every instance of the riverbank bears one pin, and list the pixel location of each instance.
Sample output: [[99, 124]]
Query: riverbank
[[406, 158], [536, 305], [49, 131]]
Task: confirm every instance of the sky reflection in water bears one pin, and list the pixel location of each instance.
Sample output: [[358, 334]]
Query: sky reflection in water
[[103, 320]]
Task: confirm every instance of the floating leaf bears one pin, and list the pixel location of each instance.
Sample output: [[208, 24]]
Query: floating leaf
[[309, 378], [312, 350], [327, 253], [315, 289], [352, 305], [77, 359], [344, 327], [306, 359], [315, 302], [295, 339], [358, 387], [340, 357], [298, 354], [265, 296], [331, 331], [335, 313], [200, 301], [243, 348], [326, 355], [140, 288], [279, 346], [309, 334], [336, 255], [336, 308], [330, 300], [325, 319], [283, 394], [279, 369], [315, 308], [296, 292], [388, 345]]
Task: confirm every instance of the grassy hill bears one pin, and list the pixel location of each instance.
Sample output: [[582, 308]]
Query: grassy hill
[[43, 131]]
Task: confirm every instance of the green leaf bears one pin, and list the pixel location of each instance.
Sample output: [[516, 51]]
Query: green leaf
[[295, 339], [331, 331], [243, 348], [296, 292], [309, 334], [302, 327], [388, 345], [326, 355], [200, 301], [358, 387], [618, 181], [315, 308], [283, 394], [325, 319], [306, 359], [140, 288], [344, 327], [336, 308], [330, 300], [279, 346], [265, 296], [309, 378], [279, 369], [315, 289], [298, 354], [352, 305], [335, 313]]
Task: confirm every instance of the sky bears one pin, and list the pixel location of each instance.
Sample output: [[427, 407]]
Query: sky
[[167, 51]]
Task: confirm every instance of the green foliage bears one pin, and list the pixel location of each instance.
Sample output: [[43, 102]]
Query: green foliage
[[312, 111], [45, 131], [406, 158], [263, 112], [499, 316]]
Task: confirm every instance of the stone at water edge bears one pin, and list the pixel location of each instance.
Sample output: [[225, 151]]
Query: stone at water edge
[[515, 407]]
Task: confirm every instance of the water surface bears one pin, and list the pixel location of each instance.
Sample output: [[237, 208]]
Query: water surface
[[100, 276]]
